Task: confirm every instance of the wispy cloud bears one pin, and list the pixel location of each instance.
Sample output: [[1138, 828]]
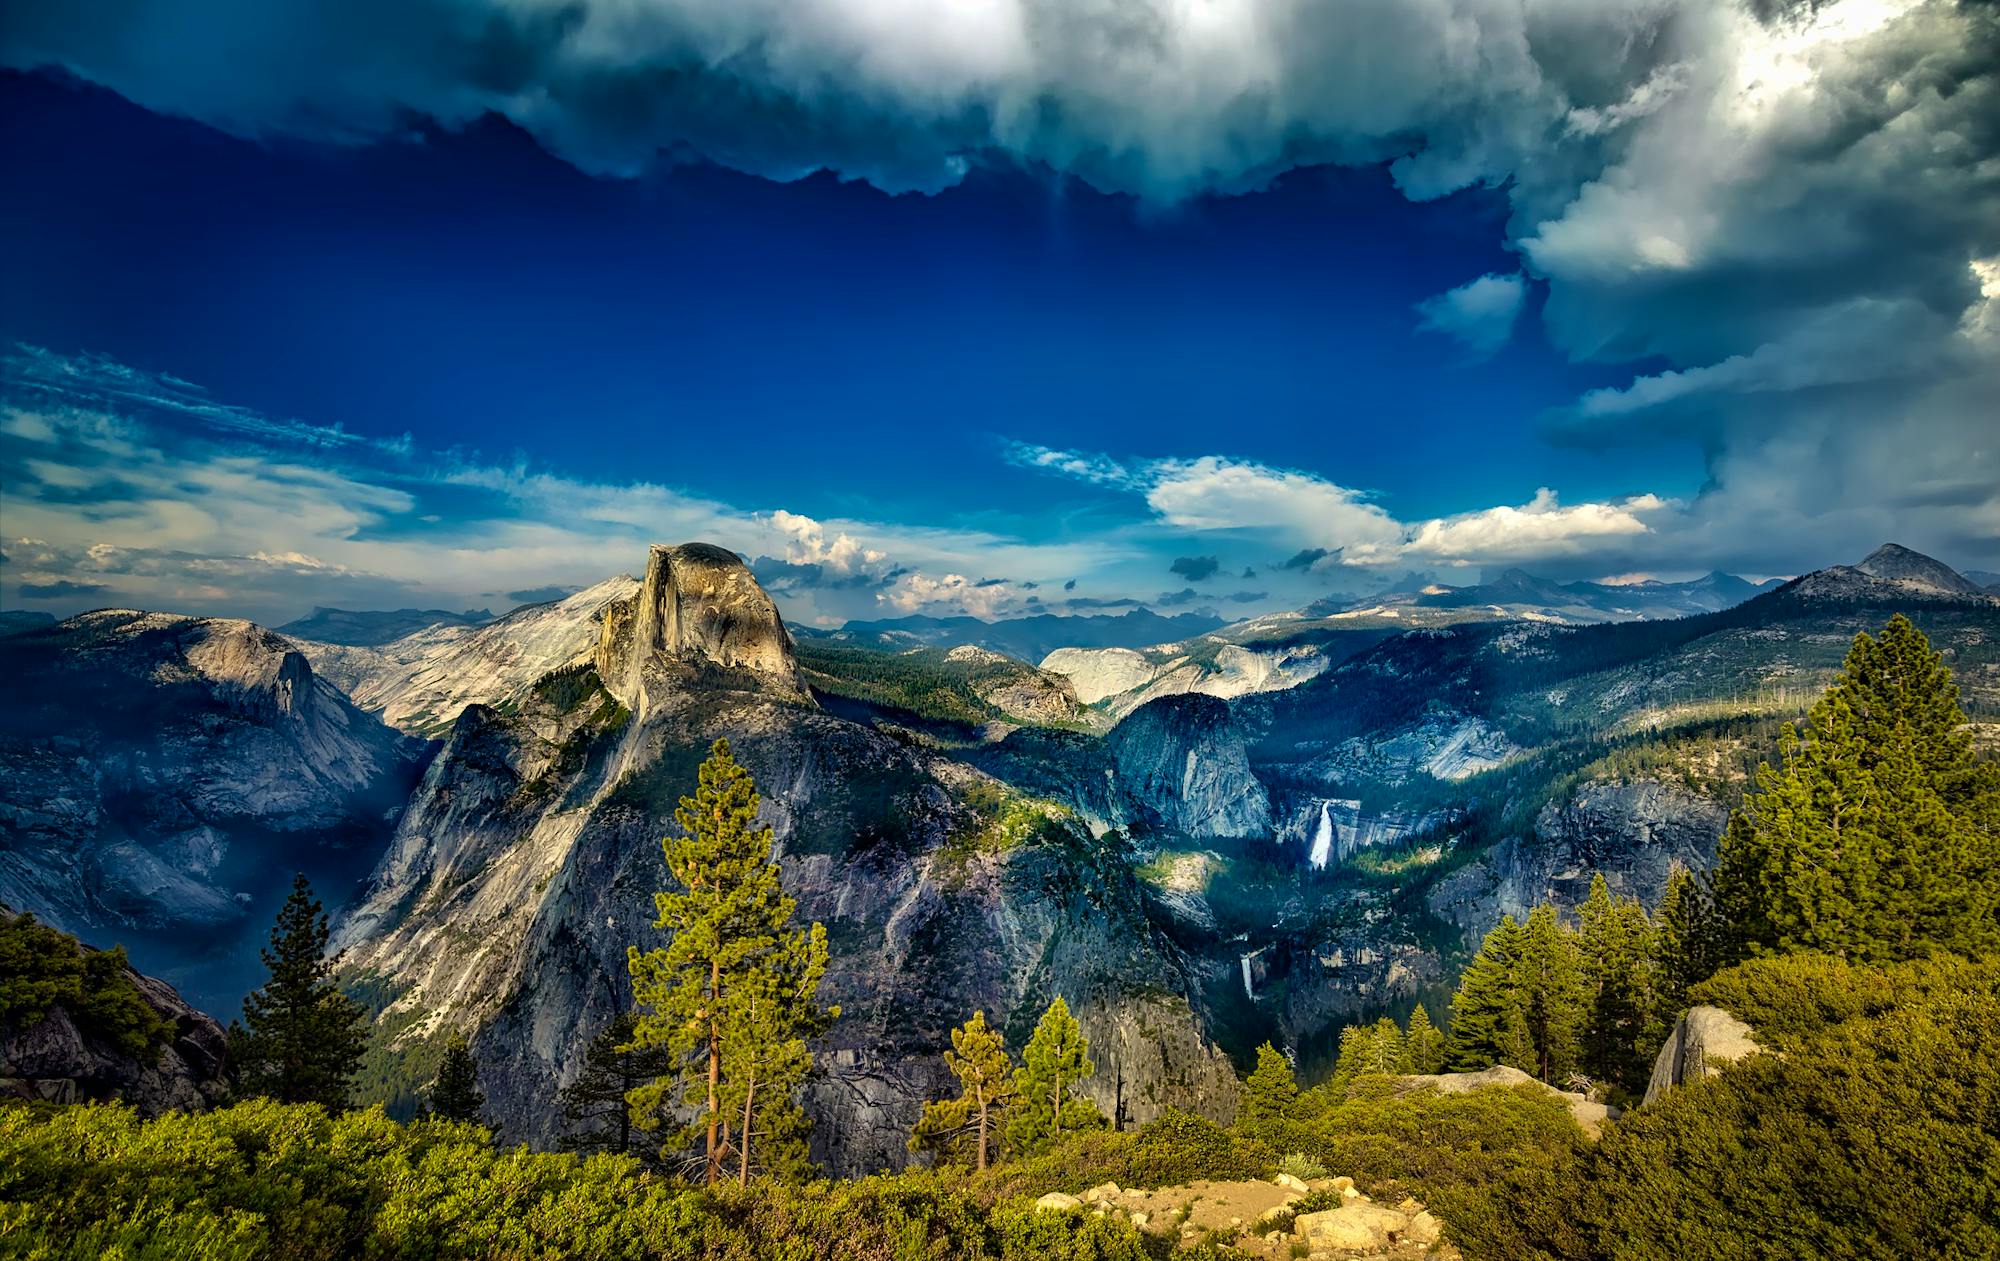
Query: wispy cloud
[[1479, 314]]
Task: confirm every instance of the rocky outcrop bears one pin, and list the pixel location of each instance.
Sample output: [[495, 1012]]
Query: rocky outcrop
[[525, 866], [1634, 833], [421, 682], [1182, 761], [60, 1058], [162, 777], [698, 604], [1120, 680], [1702, 1041], [1590, 1115]]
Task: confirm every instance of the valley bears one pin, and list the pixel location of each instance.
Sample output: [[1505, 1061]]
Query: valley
[[1197, 871]]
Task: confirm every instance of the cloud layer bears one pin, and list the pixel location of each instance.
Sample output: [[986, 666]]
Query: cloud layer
[[1788, 212]]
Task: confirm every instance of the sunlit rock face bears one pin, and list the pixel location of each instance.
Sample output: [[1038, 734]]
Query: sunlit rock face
[[697, 605], [526, 864]]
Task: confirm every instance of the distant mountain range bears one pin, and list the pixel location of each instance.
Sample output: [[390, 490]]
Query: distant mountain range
[[1028, 638], [373, 629]]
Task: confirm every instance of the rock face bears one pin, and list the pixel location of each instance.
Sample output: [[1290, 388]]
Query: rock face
[[162, 777], [1702, 1041], [421, 682], [1120, 680], [57, 1058], [526, 863], [1183, 762], [1635, 833], [697, 603]]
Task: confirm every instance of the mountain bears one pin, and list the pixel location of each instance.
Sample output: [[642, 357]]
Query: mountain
[[1518, 593], [1025, 638], [162, 777], [1987, 580], [1890, 572], [525, 865], [955, 694], [420, 682], [14, 621], [370, 629]]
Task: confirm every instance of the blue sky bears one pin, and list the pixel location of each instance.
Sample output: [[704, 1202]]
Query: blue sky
[[414, 329]]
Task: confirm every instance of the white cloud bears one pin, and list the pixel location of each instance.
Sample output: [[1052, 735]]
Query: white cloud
[[203, 508], [1302, 510], [1479, 314], [1540, 530]]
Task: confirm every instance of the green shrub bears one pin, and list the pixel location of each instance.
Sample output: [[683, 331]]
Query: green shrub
[[42, 968], [1301, 1166]]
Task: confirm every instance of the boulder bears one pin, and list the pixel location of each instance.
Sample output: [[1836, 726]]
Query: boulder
[[1702, 1041], [1290, 1183], [1057, 1202], [1103, 1191], [1423, 1229], [1355, 1226]]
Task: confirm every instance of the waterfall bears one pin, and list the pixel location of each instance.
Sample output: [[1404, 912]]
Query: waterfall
[[1248, 991], [1322, 848]]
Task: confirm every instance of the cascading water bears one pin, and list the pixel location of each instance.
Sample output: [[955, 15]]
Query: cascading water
[[1322, 849]]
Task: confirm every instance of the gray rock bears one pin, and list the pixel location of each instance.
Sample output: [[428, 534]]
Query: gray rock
[[1701, 1042], [57, 1060]]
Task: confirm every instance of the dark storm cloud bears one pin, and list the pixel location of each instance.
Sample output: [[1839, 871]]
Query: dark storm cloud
[[1195, 568]]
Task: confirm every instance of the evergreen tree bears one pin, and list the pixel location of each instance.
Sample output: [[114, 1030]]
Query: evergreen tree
[[1356, 1047], [733, 995], [1876, 837], [1046, 1106], [1385, 1051], [1686, 947], [301, 1039], [1551, 993], [1614, 940], [1488, 1024], [597, 1114], [455, 1095], [1426, 1043], [985, 1073], [1272, 1089]]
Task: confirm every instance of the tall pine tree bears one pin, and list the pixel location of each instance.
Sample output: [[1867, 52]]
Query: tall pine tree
[[979, 1059], [455, 1095], [596, 1112], [1046, 1105], [1687, 948], [1550, 984], [1875, 837], [1426, 1043], [1488, 1022], [301, 1039], [734, 993], [1272, 1089], [1614, 941]]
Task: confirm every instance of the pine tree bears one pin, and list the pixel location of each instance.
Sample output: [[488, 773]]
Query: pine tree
[[985, 1073], [1551, 993], [455, 1095], [1426, 1043], [1614, 940], [1356, 1046], [734, 993], [1686, 947], [1385, 1051], [1875, 837], [597, 1114], [1272, 1089], [1046, 1106], [301, 1039], [1488, 1025]]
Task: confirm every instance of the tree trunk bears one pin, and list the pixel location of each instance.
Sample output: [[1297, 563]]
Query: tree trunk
[[749, 1096], [982, 1136], [714, 1170]]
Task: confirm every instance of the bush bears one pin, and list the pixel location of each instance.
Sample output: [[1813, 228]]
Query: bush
[[42, 968], [263, 1179]]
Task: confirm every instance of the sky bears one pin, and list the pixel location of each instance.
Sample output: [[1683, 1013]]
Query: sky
[[1001, 307]]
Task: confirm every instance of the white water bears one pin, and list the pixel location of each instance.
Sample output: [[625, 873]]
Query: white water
[[1322, 843], [1248, 992]]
